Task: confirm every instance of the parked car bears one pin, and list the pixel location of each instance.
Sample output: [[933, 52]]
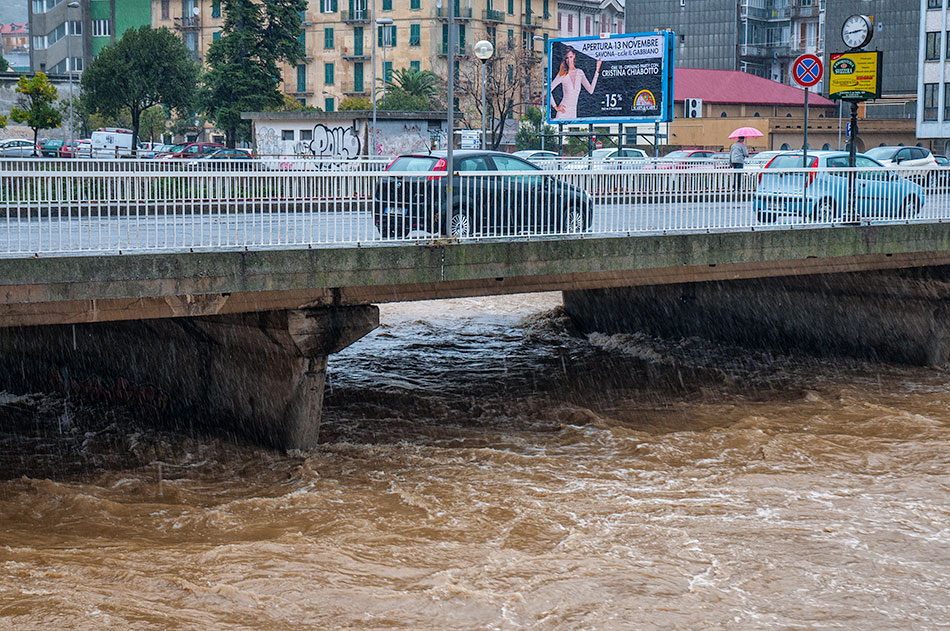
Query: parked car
[[757, 161], [222, 159], [943, 170], [84, 148], [526, 200], [153, 149], [684, 158], [68, 149], [50, 148], [825, 195], [902, 156], [547, 160], [18, 148], [111, 142], [191, 150]]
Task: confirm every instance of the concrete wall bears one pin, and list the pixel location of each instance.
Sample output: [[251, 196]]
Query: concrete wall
[[8, 98]]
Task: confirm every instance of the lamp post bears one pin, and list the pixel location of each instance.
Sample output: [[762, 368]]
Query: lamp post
[[483, 49], [544, 95], [372, 138], [69, 63], [385, 23]]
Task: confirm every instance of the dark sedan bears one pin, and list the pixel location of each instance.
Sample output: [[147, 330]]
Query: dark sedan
[[493, 193]]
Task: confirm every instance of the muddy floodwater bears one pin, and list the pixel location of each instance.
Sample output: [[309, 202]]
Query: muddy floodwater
[[483, 467]]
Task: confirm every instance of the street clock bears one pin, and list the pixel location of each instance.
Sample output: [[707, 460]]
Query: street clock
[[856, 32]]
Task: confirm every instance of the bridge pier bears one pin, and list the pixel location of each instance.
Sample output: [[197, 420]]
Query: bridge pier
[[898, 316], [260, 375]]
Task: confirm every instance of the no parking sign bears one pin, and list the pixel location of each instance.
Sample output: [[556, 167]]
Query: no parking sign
[[807, 70]]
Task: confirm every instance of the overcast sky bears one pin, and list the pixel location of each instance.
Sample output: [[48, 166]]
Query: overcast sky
[[13, 11]]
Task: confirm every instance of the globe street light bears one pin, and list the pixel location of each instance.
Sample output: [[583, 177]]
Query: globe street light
[[69, 63], [385, 22], [483, 49]]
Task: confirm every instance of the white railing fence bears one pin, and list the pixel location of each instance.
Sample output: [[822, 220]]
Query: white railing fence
[[53, 207]]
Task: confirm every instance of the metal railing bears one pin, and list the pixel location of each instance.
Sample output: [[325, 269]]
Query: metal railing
[[120, 210]]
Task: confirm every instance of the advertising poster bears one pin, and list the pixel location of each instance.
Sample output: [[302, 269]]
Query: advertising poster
[[855, 76], [616, 79]]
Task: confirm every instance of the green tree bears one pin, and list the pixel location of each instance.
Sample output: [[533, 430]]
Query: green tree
[[145, 68], [35, 105], [4, 66], [243, 73], [531, 128], [424, 83], [355, 103]]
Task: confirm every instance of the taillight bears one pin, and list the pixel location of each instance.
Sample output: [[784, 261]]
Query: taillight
[[439, 166], [811, 174]]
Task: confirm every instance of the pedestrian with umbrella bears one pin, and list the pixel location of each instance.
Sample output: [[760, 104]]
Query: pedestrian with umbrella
[[739, 152]]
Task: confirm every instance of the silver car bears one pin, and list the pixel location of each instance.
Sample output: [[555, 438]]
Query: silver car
[[18, 148]]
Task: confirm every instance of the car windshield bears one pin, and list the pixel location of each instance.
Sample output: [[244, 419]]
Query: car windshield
[[177, 148], [412, 163], [678, 154], [602, 153], [883, 153], [790, 161]]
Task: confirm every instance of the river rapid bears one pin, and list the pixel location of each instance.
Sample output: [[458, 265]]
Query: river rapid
[[481, 466]]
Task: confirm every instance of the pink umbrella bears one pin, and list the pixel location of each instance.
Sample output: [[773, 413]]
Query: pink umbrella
[[746, 132]]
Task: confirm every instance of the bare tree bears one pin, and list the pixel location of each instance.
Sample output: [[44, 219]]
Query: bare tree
[[513, 78]]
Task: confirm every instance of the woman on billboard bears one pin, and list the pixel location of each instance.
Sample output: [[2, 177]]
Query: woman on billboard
[[571, 79]]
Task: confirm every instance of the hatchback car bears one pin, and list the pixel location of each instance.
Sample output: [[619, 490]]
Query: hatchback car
[[821, 194], [191, 150], [51, 147], [68, 149], [223, 159], [902, 156], [495, 193], [16, 148]]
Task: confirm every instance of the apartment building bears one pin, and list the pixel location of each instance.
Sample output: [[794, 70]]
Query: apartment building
[[933, 64], [68, 34], [583, 18], [760, 37], [338, 38]]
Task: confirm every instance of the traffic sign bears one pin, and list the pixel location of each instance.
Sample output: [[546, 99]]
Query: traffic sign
[[599, 145], [847, 130], [807, 70]]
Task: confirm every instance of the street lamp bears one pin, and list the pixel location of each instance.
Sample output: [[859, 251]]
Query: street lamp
[[69, 63], [544, 96], [384, 22], [483, 49]]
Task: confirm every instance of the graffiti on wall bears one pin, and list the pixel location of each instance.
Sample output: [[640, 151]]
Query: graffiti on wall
[[342, 143]]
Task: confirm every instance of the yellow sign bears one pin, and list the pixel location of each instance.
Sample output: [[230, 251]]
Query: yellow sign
[[855, 76]]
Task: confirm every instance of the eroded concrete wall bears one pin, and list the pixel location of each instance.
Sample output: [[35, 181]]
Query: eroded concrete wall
[[889, 316], [259, 375]]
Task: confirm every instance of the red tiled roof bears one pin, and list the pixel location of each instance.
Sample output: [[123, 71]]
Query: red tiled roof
[[13, 28], [733, 86]]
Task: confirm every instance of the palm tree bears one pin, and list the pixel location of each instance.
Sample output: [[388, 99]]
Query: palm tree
[[424, 83]]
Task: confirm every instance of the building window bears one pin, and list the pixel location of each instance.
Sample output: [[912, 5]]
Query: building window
[[75, 27], [934, 4], [301, 78], [511, 39], [388, 71], [328, 37], [570, 22], [358, 41], [946, 101], [930, 101], [216, 36], [328, 74], [216, 9], [386, 36], [387, 5], [587, 25], [933, 46], [329, 6], [415, 66], [415, 34], [328, 104], [511, 7], [165, 15], [358, 76], [414, 4], [723, 115], [287, 134], [511, 73], [101, 28]]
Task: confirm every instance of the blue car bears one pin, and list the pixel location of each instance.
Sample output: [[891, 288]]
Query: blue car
[[821, 194]]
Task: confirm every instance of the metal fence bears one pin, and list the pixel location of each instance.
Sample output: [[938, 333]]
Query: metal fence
[[51, 207]]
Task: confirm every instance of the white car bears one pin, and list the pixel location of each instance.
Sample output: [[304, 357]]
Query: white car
[[548, 160], [604, 159], [903, 156], [17, 148]]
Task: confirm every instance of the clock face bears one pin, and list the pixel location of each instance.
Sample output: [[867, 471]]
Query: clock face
[[856, 31]]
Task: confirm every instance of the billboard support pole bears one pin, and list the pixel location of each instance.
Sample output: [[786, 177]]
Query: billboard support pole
[[590, 139], [560, 139], [656, 139]]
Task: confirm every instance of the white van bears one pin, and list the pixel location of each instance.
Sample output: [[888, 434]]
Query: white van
[[111, 142]]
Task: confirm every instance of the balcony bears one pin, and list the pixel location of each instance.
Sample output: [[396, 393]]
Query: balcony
[[805, 12], [747, 10], [765, 50], [188, 23], [490, 15], [350, 55], [360, 16], [463, 13], [355, 92], [530, 20]]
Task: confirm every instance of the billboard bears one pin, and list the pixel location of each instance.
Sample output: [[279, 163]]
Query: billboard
[[855, 76], [616, 79]]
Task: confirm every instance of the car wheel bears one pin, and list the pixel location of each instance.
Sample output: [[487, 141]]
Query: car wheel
[[575, 220], [765, 217], [461, 224], [825, 211], [910, 208]]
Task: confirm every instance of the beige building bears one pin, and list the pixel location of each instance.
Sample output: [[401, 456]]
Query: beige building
[[338, 38]]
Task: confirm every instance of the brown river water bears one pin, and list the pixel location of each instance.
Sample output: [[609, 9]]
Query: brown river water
[[483, 467]]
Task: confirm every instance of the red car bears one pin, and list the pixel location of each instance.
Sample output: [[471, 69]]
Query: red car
[[68, 149], [191, 150]]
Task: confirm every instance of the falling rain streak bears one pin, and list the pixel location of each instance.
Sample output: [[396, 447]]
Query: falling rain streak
[[483, 467]]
